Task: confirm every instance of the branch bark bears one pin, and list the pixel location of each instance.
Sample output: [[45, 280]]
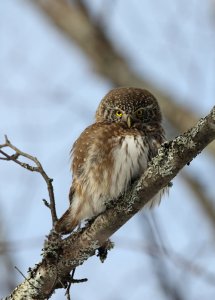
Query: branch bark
[[62, 256]]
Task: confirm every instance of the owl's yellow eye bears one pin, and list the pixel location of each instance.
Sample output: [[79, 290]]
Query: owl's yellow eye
[[118, 113]]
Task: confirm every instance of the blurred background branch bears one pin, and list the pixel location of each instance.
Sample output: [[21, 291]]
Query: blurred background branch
[[8, 281]]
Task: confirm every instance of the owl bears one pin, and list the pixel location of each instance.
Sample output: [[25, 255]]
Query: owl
[[111, 153]]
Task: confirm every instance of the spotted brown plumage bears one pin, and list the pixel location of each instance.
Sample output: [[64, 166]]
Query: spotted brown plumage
[[112, 152]]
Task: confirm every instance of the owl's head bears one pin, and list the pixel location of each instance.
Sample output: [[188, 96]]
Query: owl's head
[[129, 105]]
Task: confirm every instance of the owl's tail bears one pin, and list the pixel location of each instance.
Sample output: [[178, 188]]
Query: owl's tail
[[66, 223]]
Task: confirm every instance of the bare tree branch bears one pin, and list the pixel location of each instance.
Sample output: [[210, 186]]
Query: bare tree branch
[[14, 157], [60, 257]]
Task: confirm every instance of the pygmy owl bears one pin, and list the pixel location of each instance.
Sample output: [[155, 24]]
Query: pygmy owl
[[112, 152]]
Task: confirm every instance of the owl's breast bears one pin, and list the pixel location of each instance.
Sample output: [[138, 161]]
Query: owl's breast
[[106, 159], [130, 159]]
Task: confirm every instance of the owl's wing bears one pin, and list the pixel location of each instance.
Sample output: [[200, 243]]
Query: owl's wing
[[86, 152], [80, 151], [71, 193], [89, 147]]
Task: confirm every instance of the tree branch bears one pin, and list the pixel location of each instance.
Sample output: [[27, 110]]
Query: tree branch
[[14, 157], [60, 257]]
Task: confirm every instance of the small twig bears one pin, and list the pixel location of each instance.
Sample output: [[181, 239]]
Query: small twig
[[22, 164], [67, 294], [79, 280], [8, 157], [70, 281], [46, 203], [38, 168], [26, 278]]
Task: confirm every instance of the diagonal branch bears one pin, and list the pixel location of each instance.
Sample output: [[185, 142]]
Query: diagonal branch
[[38, 168], [62, 256]]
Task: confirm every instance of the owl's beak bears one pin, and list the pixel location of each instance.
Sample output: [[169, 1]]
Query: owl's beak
[[128, 120]]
